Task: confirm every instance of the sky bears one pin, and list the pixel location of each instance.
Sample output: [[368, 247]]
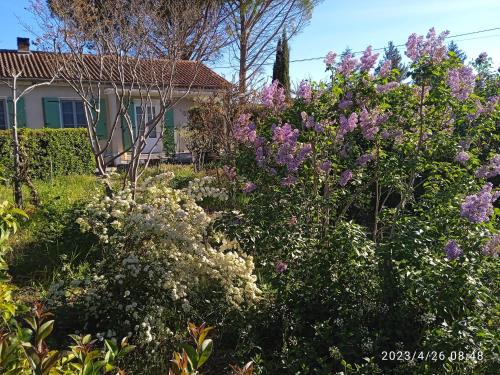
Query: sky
[[336, 24]]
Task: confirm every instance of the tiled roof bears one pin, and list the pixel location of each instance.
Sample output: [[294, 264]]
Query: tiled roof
[[40, 65]]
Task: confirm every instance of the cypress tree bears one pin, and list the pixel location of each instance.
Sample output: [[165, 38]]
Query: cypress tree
[[281, 64]]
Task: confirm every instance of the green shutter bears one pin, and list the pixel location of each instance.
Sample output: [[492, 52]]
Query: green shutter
[[168, 136], [21, 114], [126, 137], [101, 128], [51, 115]]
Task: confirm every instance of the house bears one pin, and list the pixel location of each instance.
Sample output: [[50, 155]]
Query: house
[[59, 106]]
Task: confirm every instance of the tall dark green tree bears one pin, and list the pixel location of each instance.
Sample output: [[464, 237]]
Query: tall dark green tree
[[391, 53], [453, 47], [281, 70]]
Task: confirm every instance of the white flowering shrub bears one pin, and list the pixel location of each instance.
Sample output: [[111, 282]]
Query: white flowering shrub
[[162, 264]]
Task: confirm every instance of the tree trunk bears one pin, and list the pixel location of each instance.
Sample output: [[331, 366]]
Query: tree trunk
[[242, 87], [18, 193]]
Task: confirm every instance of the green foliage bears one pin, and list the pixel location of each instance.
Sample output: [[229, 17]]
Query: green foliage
[[49, 153], [352, 269], [160, 263], [24, 350], [193, 358], [282, 63]]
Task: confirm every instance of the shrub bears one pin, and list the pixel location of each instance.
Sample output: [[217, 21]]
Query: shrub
[[24, 350], [369, 206], [50, 152], [161, 265]]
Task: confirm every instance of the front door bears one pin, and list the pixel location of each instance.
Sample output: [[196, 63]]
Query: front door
[[147, 127]]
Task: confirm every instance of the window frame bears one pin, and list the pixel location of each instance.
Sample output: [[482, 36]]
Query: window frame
[[75, 124], [155, 104]]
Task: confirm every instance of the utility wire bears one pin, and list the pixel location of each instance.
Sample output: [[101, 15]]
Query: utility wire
[[381, 48]]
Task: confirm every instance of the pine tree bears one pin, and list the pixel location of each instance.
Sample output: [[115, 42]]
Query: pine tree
[[391, 53], [453, 47], [281, 64]]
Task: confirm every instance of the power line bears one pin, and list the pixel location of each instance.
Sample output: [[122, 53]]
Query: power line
[[381, 48]]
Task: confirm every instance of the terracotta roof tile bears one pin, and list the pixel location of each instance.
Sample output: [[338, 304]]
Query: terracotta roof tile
[[39, 65]]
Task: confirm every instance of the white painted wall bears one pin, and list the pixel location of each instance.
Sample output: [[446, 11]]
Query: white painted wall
[[33, 101]]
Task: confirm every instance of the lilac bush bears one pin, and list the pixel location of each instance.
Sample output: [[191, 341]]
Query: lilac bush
[[383, 178]]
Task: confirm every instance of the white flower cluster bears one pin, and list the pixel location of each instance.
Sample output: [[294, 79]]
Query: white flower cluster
[[161, 260], [201, 188]]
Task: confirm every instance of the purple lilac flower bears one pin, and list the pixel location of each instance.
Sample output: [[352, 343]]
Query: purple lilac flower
[[490, 170], [461, 82], [482, 58], [273, 96], [432, 47], [369, 124], [385, 134], [289, 154], [244, 130], [249, 187], [492, 247], [345, 177], [230, 172], [330, 58], [364, 159], [347, 125], [318, 127], [462, 157], [288, 181], [477, 208], [347, 64], [368, 59], [492, 103], [385, 69], [382, 89], [305, 91], [325, 166], [259, 156], [346, 101], [285, 134], [465, 143], [452, 250], [307, 120], [280, 266]]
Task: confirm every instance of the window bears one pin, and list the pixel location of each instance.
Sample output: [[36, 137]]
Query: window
[[3, 114], [72, 114], [151, 112]]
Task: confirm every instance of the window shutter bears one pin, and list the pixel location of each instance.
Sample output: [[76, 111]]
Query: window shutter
[[168, 136], [126, 137], [51, 115], [101, 128], [21, 114]]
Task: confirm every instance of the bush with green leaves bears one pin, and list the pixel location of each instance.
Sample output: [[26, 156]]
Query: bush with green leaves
[[23, 346], [161, 265], [370, 207], [47, 153]]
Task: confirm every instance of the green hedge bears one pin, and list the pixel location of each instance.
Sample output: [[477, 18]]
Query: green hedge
[[50, 152]]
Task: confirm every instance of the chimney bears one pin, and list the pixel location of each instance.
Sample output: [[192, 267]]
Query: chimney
[[23, 45]]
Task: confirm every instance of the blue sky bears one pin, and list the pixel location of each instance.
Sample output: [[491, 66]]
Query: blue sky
[[337, 24]]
